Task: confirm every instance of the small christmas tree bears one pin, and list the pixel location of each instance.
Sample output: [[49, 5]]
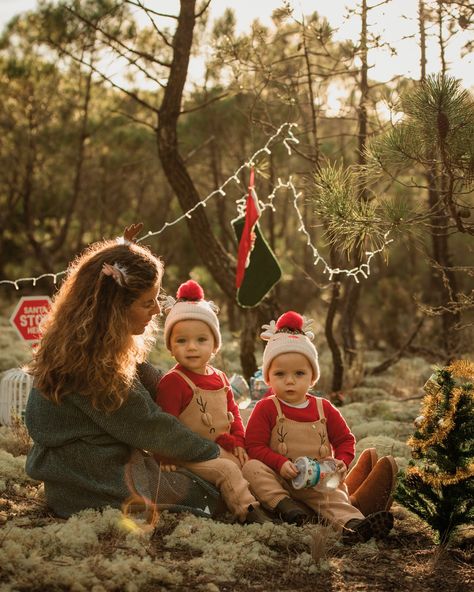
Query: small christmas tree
[[438, 485]]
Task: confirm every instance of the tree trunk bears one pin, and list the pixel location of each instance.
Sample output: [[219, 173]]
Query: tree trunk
[[337, 362], [353, 289], [443, 280], [247, 343], [443, 285], [219, 263], [76, 189]]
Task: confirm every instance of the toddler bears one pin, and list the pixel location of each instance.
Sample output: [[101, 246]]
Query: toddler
[[290, 423], [200, 397]]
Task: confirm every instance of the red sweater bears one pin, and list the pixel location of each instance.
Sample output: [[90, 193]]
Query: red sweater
[[174, 395], [263, 419]]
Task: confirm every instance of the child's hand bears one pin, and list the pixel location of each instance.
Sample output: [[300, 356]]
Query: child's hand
[[167, 468], [288, 470], [241, 454], [341, 468]]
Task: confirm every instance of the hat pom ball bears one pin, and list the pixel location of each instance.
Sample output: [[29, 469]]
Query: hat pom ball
[[290, 320], [190, 290]]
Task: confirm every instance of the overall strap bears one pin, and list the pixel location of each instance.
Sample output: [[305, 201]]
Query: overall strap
[[278, 406], [223, 377], [186, 379], [319, 404]]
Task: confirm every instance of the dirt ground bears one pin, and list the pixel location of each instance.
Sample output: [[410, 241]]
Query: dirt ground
[[408, 560], [98, 552]]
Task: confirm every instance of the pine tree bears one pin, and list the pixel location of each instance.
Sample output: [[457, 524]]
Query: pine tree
[[438, 485]]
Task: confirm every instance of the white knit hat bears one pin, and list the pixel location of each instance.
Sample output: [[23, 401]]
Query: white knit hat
[[190, 305], [286, 336]]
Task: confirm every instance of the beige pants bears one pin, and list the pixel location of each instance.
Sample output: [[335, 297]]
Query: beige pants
[[271, 488], [225, 473]]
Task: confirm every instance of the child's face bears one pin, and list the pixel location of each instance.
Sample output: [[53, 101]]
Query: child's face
[[192, 345], [290, 376]]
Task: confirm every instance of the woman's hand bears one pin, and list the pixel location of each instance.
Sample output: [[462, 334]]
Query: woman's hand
[[289, 470], [241, 455], [167, 468]]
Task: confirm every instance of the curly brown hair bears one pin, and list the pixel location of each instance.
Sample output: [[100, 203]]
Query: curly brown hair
[[87, 344]]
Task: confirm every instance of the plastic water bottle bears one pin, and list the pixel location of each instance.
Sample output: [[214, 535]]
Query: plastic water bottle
[[322, 475]]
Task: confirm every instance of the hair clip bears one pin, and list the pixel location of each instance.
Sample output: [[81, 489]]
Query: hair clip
[[117, 272], [129, 234]]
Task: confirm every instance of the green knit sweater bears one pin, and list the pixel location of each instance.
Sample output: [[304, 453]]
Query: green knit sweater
[[84, 455]]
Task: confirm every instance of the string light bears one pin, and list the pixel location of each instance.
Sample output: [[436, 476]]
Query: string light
[[363, 270], [289, 137], [33, 279]]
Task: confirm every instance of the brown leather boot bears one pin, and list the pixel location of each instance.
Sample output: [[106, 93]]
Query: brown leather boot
[[375, 493], [361, 470], [294, 512], [257, 515], [376, 525]]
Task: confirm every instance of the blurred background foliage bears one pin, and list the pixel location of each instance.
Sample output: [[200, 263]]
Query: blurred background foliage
[[83, 154]]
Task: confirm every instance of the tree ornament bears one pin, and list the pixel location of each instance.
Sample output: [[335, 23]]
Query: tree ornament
[[419, 421], [257, 267]]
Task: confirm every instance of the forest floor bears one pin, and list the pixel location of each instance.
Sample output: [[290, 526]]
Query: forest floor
[[109, 552]]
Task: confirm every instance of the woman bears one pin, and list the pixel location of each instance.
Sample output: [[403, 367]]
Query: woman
[[89, 414]]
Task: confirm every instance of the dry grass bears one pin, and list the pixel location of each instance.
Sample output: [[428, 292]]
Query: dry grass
[[105, 552]]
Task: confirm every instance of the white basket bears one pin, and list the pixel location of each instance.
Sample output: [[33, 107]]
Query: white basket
[[15, 386]]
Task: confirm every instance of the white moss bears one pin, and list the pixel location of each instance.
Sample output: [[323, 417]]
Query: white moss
[[44, 556], [106, 552], [225, 549], [363, 393], [13, 467], [384, 445]]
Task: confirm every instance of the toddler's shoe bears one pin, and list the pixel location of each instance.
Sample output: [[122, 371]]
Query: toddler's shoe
[[359, 530], [375, 493], [257, 515], [361, 470], [293, 512]]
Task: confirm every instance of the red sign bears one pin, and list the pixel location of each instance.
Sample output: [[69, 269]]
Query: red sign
[[28, 314]]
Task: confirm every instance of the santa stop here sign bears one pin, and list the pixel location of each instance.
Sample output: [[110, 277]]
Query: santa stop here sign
[[28, 314]]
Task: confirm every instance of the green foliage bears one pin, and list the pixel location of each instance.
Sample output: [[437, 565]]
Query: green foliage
[[350, 222], [437, 127], [439, 485]]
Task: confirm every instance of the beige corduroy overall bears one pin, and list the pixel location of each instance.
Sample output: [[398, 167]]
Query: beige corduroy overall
[[293, 439], [207, 416]]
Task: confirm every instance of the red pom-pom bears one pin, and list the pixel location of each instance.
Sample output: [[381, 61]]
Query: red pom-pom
[[190, 290], [290, 320], [226, 441]]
